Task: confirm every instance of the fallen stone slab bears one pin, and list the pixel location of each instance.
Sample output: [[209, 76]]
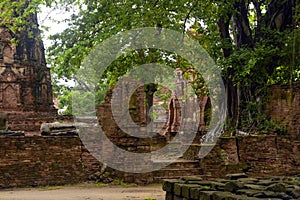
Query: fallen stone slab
[[62, 129]]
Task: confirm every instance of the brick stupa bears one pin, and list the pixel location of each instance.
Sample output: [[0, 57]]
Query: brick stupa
[[25, 84]]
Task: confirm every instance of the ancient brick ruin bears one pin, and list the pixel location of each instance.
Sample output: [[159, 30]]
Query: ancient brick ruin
[[174, 109], [34, 160], [25, 83], [168, 119]]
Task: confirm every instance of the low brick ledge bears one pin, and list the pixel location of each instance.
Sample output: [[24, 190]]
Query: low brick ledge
[[234, 187]]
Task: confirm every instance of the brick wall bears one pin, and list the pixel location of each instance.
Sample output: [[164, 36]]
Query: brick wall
[[284, 107], [40, 160], [36, 160], [255, 155]]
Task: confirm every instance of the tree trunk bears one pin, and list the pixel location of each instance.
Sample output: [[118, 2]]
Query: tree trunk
[[231, 90], [243, 32]]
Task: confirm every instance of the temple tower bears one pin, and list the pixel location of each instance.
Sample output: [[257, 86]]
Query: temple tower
[[25, 83]]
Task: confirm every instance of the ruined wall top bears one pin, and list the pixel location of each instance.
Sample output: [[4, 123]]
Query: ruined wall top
[[28, 46], [25, 82]]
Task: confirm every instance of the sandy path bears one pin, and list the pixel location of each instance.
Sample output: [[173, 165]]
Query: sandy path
[[84, 193]]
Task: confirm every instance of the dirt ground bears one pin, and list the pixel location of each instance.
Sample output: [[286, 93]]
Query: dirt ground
[[84, 192]]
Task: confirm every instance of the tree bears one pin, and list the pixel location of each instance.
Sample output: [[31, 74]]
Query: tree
[[254, 41]]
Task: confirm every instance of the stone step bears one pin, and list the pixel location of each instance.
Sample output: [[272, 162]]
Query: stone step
[[186, 164], [178, 169], [160, 179], [178, 172]]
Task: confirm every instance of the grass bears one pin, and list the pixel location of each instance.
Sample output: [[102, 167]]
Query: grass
[[206, 187], [154, 184], [51, 188], [100, 184], [121, 183], [116, 182]]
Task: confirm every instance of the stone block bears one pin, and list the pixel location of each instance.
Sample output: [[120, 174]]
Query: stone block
[[168, 184], [206, 195], [295, 193], [233, 186], [223, 196], [276, 187], [178, 189], [178, 198], [254, 187], [195, 193], [186, 189], [249, 192], [169, 196]]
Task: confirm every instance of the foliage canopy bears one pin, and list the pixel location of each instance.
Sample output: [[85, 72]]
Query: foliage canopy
[[255, 42]]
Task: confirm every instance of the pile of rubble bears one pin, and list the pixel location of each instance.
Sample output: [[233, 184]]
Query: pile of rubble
[[235, 187]]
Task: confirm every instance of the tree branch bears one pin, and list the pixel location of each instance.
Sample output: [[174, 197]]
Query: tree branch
[[223, 26], [279, 14], [244, 32], [83, 86], [259, 18], [188, 15]]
